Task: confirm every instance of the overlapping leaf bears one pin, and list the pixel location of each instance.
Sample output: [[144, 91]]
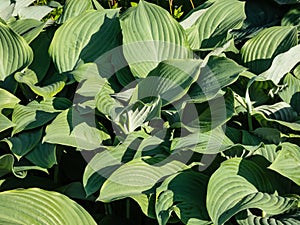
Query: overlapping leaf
[[151, 35]]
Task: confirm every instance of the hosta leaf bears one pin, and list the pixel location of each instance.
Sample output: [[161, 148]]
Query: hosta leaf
[[209, 115], [6, 164], [232, 184], [194, 14], [218, 73], [41, 60], [133, 116], [260, 15], [73, 8], [137, 176], [90, 35], [151, 35], [7, 100], [170, 80], [37, 114], [282, 64], [47, 92], [291, 18], [212, 27], [183, 193], [5, 123], [250, 219], [255, 53], [43, 155], [37, 12], [268, 151], [211, 142], [287, 163], [37, 206], [15, 53], [103, 164], [147, 204], [6, 9], [70, 129], [29, 29], [23, 143], [280, 115], [20, 4], [290, 94]]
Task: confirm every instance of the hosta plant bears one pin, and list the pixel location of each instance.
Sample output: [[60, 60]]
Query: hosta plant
[[133, 117]]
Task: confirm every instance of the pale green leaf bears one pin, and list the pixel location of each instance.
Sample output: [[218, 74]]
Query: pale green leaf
[[7, 100], [170, 80], [70, 129], [5, 123], [259, 52], [282, 64], [37, 206], [287, 163], [15, 53], [137, 176], [90, 35], [151, 35], [29, 78], [73, 8], [29, 29], [231, 184], [212, 28], [218, 73]]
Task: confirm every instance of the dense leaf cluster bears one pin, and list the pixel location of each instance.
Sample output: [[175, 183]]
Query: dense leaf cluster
[[191, 122]]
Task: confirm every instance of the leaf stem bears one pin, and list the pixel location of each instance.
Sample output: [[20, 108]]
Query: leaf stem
[[192, 3]]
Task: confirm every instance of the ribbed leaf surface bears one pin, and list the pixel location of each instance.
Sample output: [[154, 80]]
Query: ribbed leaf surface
[[212, 28], [88, 36], [258, 52], [151, 35], [287, 163], [15, 53], [236, 179], [40, 207]]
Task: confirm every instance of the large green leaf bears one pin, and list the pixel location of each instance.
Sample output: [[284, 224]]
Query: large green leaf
[[211, 142], [259, 52], [209, 115], [212, 28], [151, 35], [136, 177], [15, 53], [29, 29], [170, 80], [43, 155], [183, 193], [23, 143], [89, 36], [282, 64], [237, 185], [7, 100], [70, 129], [218, 73], [292, 18], [5, 123], [36, 114], [37, 206], [73, 8], [287, 163], [133, 116]]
